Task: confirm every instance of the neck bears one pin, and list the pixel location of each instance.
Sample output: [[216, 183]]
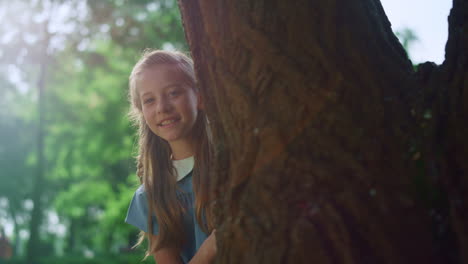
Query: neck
[[181, 149]]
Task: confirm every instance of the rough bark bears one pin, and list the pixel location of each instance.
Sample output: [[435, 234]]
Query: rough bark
[[453, 127], [320, 126]]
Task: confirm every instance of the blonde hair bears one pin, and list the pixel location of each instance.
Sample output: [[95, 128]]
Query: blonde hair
[[154, 165]]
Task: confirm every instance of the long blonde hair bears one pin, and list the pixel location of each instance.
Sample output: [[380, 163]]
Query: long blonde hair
[[154, 165]]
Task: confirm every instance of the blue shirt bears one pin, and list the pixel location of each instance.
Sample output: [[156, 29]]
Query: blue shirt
[[137, 215]]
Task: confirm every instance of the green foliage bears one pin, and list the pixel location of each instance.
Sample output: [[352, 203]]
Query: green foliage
[[114, 259], [89, 142], [407, 37]]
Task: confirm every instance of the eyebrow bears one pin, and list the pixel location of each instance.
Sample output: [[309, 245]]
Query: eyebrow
[[145, 94], [172, 85], [165, 88]]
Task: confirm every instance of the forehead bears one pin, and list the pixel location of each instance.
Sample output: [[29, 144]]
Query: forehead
[[158, 78]]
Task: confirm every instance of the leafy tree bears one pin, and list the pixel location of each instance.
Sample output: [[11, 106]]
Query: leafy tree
[[407, 37], [88, 141], [15, 145]]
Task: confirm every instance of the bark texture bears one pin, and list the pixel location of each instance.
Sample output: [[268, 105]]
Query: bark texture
[[452, 130], [329, 147]]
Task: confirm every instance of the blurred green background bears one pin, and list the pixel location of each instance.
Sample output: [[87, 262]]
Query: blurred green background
[[67, 170], [64, 192]]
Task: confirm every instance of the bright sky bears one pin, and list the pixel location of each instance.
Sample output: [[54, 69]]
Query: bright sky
[[428, 20]]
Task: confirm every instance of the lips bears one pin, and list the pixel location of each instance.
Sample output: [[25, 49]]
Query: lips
[[168, 122]]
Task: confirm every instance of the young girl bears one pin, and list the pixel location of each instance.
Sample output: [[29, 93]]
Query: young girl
[[171, 205]]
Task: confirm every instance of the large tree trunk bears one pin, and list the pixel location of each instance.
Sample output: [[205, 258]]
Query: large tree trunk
[[451, 133], [329, 147]]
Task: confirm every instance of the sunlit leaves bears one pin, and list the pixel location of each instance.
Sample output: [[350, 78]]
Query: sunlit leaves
[[89, 142]]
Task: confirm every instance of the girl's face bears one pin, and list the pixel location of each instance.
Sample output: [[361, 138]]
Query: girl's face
[[169, 105]]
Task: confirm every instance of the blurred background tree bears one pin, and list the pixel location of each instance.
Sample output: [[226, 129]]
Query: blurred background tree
[[406, 37], [67, 170]]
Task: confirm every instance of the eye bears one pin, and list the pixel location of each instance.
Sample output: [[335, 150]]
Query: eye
[[148, 100], [174, 93]]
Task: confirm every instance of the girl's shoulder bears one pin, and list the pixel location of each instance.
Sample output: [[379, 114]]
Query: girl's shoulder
[[185, 184], [140, 190]]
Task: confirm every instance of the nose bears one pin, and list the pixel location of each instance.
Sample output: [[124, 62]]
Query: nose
[[163, 106]]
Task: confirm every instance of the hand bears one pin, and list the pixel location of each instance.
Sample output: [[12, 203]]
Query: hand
[[209, 248]]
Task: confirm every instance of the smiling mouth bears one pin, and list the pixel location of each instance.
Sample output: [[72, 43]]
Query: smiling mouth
[[168, 122]]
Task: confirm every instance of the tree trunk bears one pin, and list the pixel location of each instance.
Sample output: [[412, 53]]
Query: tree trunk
[[71, 236], [329, 147], [451, 140], [12, 205], [38, 187]]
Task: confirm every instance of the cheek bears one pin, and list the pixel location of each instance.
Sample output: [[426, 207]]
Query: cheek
[[147, 115], [192, 103], [191, 108]]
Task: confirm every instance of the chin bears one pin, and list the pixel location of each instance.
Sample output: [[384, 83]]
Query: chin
[[170, 138]]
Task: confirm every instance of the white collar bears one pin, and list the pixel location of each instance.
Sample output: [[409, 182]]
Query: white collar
[[183, 167]]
